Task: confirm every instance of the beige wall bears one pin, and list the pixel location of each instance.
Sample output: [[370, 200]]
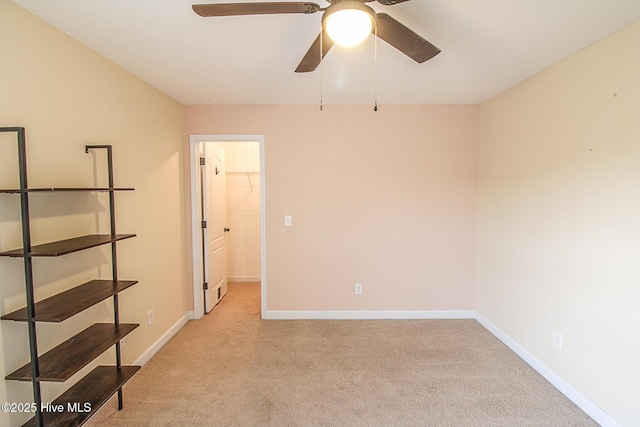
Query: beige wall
[[558, 222], [66, 95], [387, 199]]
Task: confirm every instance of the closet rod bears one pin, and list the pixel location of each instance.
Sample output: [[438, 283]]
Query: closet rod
[[248, 174]]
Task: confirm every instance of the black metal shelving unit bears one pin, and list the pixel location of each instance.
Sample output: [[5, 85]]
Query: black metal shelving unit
[[63, 361]]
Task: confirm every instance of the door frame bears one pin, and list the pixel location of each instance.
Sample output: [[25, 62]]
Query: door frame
[[196, 231]]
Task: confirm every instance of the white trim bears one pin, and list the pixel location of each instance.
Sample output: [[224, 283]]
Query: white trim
[[263, 230], [151, 351], [194, 140], [368, 315], [196, 259], [565, 388]]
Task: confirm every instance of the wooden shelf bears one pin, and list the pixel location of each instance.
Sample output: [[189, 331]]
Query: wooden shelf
[[68, 246], [63, 189], [95, 390], [63, 361], [69, 303]]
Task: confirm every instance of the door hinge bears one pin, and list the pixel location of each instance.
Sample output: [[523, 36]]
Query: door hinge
[[202, 161], [205, 286], [203, 224]]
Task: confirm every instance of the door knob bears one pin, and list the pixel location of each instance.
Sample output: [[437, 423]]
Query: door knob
[[226, 229]]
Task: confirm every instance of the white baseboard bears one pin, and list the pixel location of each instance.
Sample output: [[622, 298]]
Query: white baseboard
[[151, 351], [237, 279], [565, 388], [368, 315]]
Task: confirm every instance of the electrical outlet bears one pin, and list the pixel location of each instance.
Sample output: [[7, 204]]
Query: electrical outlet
[[358, 288], [123, 342], [150, 317], [557, 340]]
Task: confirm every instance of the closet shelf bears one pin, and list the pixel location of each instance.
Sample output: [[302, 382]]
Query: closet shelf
[[95, 390], [71, 302], [63, 189], [63, 361], [68, 246]]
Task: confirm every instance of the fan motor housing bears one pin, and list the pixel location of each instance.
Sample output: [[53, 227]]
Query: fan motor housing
[[348, 5]]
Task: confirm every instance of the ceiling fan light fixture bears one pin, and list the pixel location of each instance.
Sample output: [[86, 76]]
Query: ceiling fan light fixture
[[348, 23]]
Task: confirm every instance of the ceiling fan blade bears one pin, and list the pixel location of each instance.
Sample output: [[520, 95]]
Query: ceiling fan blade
[[229, 9], [403, 39], [312, 59], [391, 2]]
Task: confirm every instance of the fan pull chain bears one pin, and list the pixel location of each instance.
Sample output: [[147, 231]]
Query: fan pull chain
[[375, 69], [321, 61]]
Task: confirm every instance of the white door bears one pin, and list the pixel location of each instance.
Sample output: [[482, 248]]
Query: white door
[[215, 260]]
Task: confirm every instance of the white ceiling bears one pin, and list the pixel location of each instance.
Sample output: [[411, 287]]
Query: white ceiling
[[487, 47]]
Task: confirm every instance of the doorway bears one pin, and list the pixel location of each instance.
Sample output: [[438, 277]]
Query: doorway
[[244, 163]]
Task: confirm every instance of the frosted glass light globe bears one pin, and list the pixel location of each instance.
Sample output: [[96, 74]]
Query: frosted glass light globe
[[348, 27]]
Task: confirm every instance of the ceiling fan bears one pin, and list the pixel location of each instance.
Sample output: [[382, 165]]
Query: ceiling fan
[[381, 24]]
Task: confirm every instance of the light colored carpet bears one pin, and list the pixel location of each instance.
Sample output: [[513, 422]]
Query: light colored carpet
[[233, 369]]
